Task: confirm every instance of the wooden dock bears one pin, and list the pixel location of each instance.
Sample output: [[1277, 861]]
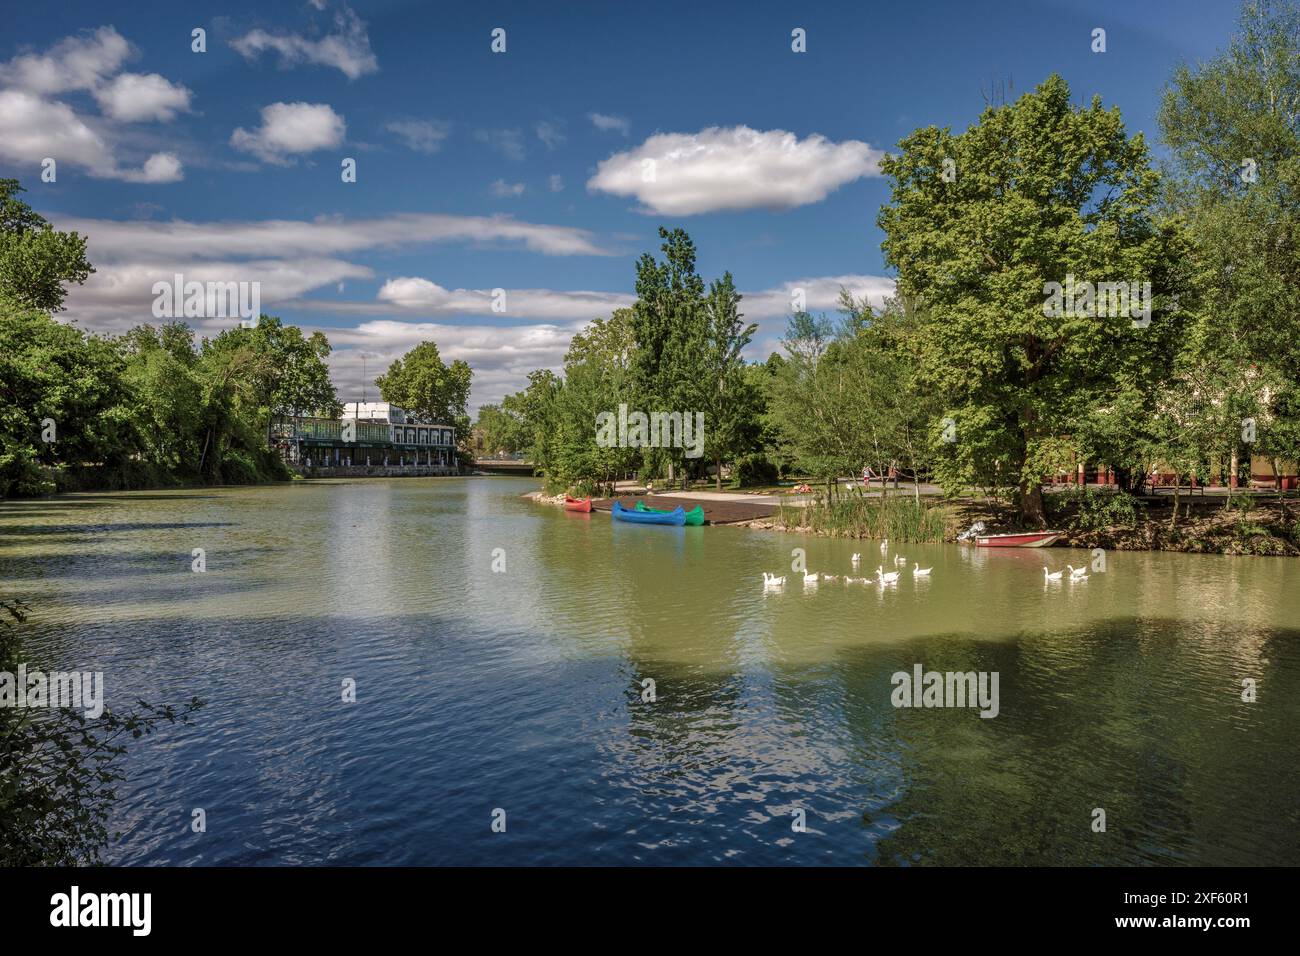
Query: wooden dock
[[715, 512]]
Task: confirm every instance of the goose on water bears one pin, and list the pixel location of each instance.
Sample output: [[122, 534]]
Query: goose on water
[[890, 577], [1049, 576], [920, 572]]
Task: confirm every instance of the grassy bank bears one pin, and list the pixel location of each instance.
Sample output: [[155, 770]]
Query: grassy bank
[[854, 515]]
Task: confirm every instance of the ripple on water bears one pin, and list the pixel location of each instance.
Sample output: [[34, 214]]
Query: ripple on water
[[523, 690]]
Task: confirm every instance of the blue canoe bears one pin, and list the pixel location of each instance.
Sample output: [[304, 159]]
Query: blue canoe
[[677, 516]]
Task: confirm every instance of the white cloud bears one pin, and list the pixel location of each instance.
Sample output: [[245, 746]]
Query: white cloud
[[609, 124], [33, 128], [291, 128], [132, 97], [290, 258], [556, 182], [422, 136], [428, 298], [347, 50], [119, 294], [508, 142], [158, 168], [504, 190], [820, 294], [733, 168], [326, 236], [501, 357], [74, 63], [551, 134]]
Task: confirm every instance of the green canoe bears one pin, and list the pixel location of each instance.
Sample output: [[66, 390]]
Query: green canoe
[[694, 516]]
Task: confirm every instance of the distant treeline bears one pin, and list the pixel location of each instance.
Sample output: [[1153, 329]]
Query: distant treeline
[[157, 406]]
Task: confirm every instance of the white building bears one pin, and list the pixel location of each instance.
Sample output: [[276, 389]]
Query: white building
[[403, 432]]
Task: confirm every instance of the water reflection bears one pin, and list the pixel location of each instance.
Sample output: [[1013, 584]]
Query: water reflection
[[524, 688]]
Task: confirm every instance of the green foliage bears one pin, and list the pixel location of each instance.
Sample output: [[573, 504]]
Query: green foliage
[[59, 769], [848, 397], [753, 469], [147, 408], [504, 430], [434, 392], [35, 259], [54, 373], [1092, 509], [1043, 189], [1230, 124]]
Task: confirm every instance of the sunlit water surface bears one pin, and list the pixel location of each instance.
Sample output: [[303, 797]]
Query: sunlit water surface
[[523, 689]]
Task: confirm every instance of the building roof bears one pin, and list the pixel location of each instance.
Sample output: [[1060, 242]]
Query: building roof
[[383, 412]]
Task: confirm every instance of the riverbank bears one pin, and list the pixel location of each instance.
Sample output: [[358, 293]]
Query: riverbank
[[1237, 525]]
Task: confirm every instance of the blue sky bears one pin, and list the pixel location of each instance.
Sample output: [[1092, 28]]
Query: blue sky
[[521, 170]]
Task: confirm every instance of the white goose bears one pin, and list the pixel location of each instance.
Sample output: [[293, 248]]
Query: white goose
[[1049, 576], [1077, 572], [856, 559], [920, 572], [771, 582], [884, 546], [809, 580], [899, 560], [890, 577]]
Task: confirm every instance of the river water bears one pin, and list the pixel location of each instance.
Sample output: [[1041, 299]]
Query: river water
[[522, 689]]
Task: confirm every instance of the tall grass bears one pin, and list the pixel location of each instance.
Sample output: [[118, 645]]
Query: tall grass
[[857, 516]]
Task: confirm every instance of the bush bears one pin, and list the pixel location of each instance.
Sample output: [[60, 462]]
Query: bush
[[1090, 509], [752, 469]]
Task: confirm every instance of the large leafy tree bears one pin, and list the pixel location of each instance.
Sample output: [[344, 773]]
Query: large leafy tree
[[669, 326], [1042, 190], [597, 379], [731, 405], [59, 383], [1232, 125], [503, 429], [162, 370], [36, 260], [431, 390]]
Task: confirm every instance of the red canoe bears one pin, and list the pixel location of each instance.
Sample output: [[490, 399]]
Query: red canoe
[[1031, 539], [577, 504]]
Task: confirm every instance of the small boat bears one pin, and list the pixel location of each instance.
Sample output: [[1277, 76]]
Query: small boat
[[1028, 539], [694, 517], [577, 504], [676, 517]]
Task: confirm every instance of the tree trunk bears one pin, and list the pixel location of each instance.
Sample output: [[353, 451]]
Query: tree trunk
[[1173, 518], [718, 482], [1031, 503]]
